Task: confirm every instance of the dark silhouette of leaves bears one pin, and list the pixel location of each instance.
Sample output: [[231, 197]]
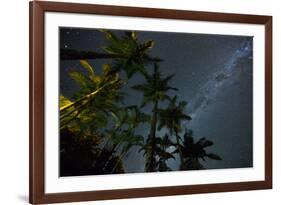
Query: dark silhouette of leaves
[[172, 116], [193, 151], [133, 55]]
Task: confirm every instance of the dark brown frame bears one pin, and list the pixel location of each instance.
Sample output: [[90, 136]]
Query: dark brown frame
[[36, 150]]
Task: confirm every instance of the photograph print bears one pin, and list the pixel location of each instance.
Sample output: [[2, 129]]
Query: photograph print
[[149, 101]]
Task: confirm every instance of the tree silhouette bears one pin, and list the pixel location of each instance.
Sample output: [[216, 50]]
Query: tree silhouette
[[194, 151], [154, 90], [164, 155], [171, 118]]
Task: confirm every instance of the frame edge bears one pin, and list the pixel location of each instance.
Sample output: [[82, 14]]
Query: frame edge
[[36, 110], [268, 102], [36, 103]]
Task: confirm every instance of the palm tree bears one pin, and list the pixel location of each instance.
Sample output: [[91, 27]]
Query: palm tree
[[162, 145], [123, 134], [82, 121], [129, 54], [132, 55], [171, 118], [126, 50], [97, 96], [154, 90], [193, 151], [120, 138]]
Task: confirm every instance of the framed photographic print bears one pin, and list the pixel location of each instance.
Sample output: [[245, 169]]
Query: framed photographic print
[[139, 102]]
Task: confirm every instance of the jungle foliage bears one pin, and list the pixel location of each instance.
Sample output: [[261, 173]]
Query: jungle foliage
[[97, 129]]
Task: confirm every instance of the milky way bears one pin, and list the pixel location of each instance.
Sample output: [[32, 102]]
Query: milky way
[[208, 92]]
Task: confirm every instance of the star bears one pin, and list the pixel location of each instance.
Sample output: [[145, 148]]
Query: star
[[65, 46]]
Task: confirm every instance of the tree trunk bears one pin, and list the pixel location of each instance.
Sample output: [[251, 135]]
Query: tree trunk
[[150, 157], [70, 54], [179, 148], [118, 161]]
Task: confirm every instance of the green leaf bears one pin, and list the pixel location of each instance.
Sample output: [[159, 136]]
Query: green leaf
[[64, 101], [79, 78], [96, 79], [109, 35], [131, 35], [86, 65], [106, 69], [134, 35], [100, 120], [148, 44]]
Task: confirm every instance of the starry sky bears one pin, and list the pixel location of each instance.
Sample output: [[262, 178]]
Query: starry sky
[[213, 74]]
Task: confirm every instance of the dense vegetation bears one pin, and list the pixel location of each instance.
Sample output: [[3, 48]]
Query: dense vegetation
[[97, 129]]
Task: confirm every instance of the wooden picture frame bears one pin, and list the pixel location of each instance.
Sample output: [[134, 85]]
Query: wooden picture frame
[[37, 193]]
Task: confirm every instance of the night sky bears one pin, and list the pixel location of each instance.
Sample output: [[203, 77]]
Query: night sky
[[213, 74]]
